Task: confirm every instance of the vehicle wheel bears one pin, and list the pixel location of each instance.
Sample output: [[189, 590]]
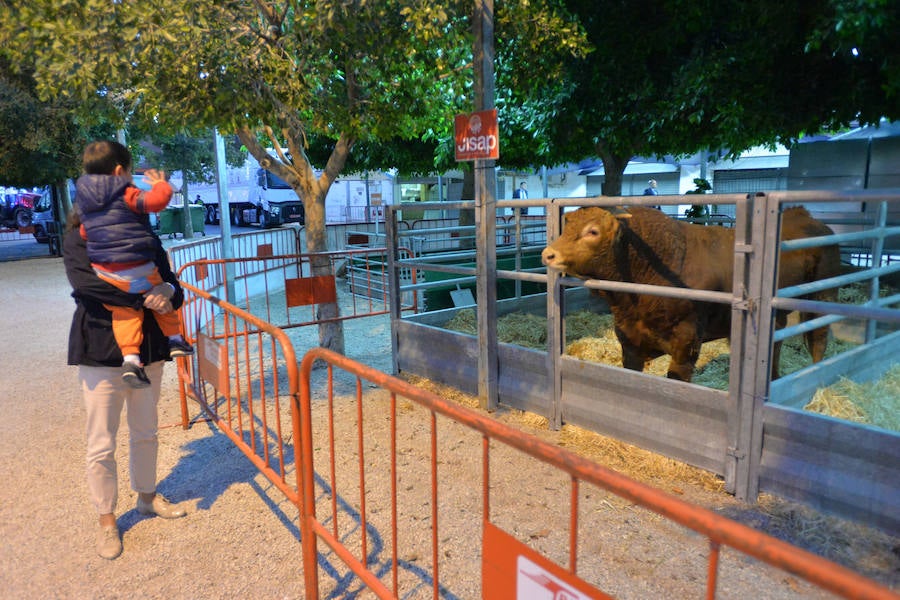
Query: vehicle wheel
[[211, 215], [264, 222], [40, 235], [23, 218]]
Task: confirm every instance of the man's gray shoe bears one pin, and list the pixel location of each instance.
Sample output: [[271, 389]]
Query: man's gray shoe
[[160, 507], [109, 544]]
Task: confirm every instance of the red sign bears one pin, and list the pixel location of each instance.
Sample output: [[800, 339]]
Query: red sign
[[511, 570], [477, 136]]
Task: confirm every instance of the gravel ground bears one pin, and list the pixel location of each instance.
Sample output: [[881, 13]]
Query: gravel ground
[[240, 537]]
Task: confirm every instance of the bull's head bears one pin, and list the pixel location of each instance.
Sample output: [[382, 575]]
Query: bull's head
[[586, 243]]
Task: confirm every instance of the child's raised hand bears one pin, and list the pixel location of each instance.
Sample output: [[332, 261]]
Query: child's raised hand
[[152, 176]]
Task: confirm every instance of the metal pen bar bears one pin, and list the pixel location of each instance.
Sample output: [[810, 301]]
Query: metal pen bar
[[889, 315], [837, 238], [832, 282]]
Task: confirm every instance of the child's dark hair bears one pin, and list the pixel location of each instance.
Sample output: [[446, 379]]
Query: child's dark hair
[[101, 158]]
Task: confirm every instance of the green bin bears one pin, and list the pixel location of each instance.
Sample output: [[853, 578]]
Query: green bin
[[198, 218], [171, 220]]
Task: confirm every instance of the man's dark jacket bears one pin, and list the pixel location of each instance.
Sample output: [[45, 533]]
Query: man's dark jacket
[[91, 340]]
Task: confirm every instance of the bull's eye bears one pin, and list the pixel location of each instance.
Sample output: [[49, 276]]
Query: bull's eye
[[591, 232]]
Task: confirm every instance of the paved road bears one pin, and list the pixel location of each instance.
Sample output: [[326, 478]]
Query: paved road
[[14, 246]]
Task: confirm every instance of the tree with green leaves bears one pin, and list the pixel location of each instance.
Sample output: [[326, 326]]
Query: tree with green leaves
[[42, 139], [192, 154], [670, 77], [278, 72], [40, 148]]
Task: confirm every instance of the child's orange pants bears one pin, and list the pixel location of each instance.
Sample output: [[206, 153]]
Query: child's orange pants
[[127, 322]]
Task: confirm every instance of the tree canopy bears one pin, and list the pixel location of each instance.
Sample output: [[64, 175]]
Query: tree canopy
[[279, 72], [666, 76], [42, 141], [676, 77]]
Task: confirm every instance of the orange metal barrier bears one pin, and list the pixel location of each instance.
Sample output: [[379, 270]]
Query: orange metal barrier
[[501, 551], [244, 377], [244, 372], [253, 284]]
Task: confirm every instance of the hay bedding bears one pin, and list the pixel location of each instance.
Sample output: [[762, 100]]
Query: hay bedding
[[874, 402], [590, 336]]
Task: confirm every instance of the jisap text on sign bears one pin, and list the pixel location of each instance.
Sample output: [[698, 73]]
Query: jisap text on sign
[[477, 136]]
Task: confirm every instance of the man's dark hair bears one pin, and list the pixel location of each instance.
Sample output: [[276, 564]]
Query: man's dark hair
[[101, 158]]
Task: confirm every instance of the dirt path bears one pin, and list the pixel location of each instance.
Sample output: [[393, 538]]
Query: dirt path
[[47, 524], [240, 538]]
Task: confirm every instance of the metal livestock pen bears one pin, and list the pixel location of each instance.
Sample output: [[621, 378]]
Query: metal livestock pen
[[753, 434]]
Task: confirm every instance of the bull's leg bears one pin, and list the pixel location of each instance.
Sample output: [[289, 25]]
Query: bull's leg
[[684, 348], [816, 340], [780, 321], [684, 359], [632, 358]]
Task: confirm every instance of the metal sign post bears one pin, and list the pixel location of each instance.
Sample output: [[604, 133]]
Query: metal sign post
[[486, 212], [224, 216]]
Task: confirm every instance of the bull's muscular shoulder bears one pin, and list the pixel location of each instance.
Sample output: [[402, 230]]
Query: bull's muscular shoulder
[[709, 261], [656, 247], [796, 222]]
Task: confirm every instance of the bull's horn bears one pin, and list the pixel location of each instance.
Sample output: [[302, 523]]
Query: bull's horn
[[620, 212]]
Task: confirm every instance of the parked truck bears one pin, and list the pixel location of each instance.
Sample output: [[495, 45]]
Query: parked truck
[[256, 196], [273, 202]]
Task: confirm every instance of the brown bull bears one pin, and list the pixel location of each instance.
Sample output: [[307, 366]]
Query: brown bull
[[645, 246]]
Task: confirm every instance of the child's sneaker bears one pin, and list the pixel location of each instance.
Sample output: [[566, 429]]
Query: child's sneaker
[[179, 348], [133, 375]]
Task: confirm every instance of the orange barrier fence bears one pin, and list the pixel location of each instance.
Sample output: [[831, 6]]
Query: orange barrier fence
[[389, 504], [244, 377], [283, 290], [244, 372], [340, 445]]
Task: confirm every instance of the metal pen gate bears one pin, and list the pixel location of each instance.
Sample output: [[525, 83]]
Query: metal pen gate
[[807, 458], [308, 432]]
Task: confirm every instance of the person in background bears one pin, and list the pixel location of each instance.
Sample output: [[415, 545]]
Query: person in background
[[651, 188], [93, 348], [115, 222], [522, 194]]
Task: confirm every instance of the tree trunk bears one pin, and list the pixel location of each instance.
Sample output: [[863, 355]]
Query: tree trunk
[[311, 190], [188, 229], [331, 334], [63, 201], [613, 169], [62, 206], [467, 216]]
